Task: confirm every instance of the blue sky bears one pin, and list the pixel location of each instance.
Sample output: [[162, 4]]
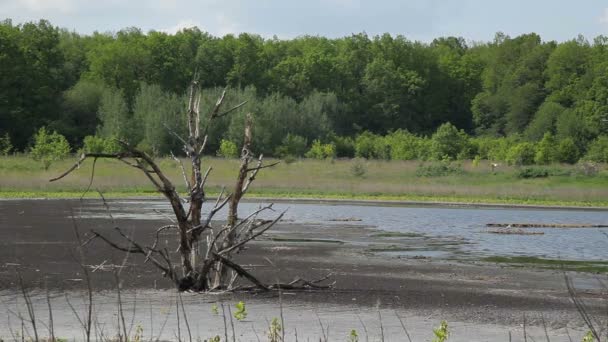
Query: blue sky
[[476, 20]]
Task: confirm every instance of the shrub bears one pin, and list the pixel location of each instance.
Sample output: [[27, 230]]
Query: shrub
[[345, 146], [364, 145], [97, 144], [567, 152], [587, 169], [292, 145], [598, 150], [49, 147], [5, 145], [358, 168], [533, 172], [404, 145], [546, 150], [228, 149], [449, 142], [521, 154], [439, 169], [321, 151]]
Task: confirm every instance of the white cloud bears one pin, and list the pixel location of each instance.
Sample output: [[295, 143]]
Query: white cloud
[[64, 6], [604, 17], [182, 24]]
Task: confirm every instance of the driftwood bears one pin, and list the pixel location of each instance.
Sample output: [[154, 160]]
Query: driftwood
[[511, 231], [205, 251], [545, 225]]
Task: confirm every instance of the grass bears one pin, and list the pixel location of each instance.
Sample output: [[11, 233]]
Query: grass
[[21, 177], [567, 265]]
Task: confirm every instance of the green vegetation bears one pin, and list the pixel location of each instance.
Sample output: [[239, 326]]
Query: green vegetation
[[568, 265], [441, 333], [518, 100], [49, 147], [330, 179], [241, 311]]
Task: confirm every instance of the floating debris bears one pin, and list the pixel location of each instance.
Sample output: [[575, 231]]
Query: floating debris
[[511, 231], [545, 225], [346, 219]]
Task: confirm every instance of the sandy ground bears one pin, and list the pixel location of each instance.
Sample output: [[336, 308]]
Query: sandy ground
[[481, 302]]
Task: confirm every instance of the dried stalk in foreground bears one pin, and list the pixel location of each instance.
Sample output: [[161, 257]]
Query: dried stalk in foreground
[[205, 251]]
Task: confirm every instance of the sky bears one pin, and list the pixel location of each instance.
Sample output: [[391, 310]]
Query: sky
[[423, 20]]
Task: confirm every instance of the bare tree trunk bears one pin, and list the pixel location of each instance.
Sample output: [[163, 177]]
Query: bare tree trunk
[[198, 270]]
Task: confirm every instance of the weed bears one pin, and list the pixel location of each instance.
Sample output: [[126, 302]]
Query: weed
[[214, 309], [588, 337], [241, 311], [443, 168], [353, 336], [274, 331], [441, 332], [358, 168]]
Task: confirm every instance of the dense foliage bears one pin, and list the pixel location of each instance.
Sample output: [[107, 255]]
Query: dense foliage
[[520, 100]]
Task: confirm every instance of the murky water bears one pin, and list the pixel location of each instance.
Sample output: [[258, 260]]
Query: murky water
[[466, 226]]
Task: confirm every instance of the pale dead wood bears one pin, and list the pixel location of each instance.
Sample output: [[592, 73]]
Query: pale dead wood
[[204, 266]]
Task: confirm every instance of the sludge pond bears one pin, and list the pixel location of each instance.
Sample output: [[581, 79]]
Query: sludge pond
[[418, 261]]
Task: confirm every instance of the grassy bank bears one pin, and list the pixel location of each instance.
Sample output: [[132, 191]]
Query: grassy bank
[[381, 180]]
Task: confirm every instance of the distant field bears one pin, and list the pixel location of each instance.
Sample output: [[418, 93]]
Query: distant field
[[384, 180]]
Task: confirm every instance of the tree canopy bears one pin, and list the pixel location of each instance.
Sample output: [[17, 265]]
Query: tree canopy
[[131, 84]]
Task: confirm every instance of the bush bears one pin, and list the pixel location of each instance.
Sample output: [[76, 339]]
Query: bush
[[365, 144], [541, 172], [358, 168], [439, 169], [521, 154], [587, 169], [292, 145], [96, 144], [449, 142], [404, 145], [228, 149], [321, 151], [567, 152], [345, 146], [5, 145], [49, 147], [598, 150], [546, 151], [532, 172]]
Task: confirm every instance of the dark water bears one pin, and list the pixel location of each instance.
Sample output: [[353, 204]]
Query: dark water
[[466, 226]]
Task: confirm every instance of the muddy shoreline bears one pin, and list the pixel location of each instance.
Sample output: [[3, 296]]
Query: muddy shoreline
[[367, 202], [37, 240]]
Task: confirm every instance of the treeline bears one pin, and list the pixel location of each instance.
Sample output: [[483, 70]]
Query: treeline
[[310, 94]]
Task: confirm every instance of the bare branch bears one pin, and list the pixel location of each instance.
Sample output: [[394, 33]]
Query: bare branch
[[183, 169], [231, 109]]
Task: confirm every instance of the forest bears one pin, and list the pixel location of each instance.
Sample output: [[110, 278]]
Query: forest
[[520, 99]]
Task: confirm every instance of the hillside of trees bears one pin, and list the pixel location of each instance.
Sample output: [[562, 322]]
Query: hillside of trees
[[518, 98]]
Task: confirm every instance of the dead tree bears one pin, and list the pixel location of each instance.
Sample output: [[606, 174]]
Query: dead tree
[[206, 252]]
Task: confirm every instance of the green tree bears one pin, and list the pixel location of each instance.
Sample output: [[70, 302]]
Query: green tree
[[448, 142], [228, 149], [598, 150], [115, 117], [567, 152], [546, 151], [49, 147], [319, 150], [293, 145], [5, 144], [521, 154]]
